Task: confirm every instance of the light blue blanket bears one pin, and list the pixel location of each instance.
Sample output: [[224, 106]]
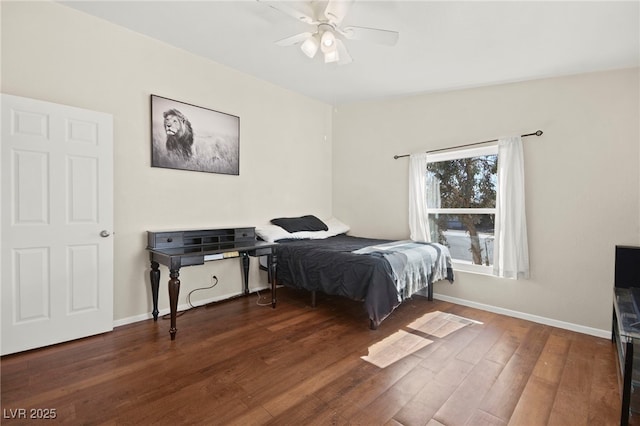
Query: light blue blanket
[[415, 265]]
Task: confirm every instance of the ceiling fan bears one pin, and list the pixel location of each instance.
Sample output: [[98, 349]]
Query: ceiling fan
[[329, 34]]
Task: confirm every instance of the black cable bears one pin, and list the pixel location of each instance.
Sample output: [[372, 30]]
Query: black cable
[[178, 314], [201, 288]]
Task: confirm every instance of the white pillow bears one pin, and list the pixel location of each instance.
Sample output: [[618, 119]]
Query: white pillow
[[272, 233], [335, 228]]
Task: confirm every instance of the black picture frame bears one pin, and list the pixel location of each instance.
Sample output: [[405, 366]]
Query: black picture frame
[[190, 137]]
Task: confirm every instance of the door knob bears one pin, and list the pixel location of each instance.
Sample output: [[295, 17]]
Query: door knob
[[104, 233]]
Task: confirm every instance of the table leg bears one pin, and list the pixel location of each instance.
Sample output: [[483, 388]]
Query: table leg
[[271, 266], [154, 275], [626, 383], [174, 290], [245, 270]]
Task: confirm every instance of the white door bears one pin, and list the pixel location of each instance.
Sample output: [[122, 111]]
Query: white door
[[57, 199]]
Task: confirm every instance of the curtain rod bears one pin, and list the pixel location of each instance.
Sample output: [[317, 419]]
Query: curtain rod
[[536, 133]]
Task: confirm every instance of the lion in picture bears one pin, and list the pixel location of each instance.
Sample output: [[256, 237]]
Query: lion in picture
[[179, 133]]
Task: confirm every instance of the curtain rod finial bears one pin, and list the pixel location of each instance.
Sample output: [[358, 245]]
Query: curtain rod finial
[[539, 133]]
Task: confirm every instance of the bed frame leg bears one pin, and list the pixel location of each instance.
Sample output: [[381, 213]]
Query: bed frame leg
[[430, 292], [313, 298], [372, 324]]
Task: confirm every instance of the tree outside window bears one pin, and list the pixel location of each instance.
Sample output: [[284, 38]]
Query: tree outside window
[[461, 205]]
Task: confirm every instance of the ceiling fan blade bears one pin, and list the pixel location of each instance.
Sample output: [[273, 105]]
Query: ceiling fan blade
[[373, 35], [343, 53], [295, 39], [283, 7], [336, 10]]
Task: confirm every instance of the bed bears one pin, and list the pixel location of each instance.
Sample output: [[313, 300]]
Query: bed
[[381, 273]]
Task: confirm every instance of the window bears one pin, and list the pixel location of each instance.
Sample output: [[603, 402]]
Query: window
[[461, 204]]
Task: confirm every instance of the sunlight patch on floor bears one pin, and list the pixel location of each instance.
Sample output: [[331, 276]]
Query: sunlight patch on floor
[[440, 324], [403, 343], [394, 348]]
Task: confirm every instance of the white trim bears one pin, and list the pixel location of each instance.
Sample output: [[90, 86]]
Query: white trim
[[461, 210], [183, 307], [458, 265], [529, 317], [489, 308], [463, 153]]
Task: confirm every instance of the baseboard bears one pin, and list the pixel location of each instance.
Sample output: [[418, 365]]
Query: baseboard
[[529, 317], [183, 307], [516, 314]]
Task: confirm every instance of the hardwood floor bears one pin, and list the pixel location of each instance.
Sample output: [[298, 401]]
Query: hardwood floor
[[239, 363]]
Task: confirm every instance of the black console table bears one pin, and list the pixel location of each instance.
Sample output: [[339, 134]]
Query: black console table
[[176, 249], [626, 335], [626, 327]]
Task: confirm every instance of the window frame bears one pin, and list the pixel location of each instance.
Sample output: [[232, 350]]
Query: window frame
[[491, 149]]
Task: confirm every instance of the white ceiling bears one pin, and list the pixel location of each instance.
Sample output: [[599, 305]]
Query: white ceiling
[[443, 45]]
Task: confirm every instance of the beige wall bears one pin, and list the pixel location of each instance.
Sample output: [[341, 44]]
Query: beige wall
[[583, 185], [582, 180], [57, 54]]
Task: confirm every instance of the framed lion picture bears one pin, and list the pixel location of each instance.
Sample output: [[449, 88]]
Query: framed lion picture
[[189, 137]]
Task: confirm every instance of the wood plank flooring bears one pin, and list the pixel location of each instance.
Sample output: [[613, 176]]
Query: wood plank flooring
[[239, 363]]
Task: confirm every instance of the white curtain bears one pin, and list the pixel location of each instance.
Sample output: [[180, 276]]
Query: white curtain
[[418, 220], [510, 251]]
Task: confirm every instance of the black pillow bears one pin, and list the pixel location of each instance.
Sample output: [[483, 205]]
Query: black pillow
[[302, 223]]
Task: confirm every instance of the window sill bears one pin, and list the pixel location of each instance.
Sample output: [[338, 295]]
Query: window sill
[[471, 268]]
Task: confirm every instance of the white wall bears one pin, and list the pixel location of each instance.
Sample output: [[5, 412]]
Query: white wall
[[58, 54], [582, 180]]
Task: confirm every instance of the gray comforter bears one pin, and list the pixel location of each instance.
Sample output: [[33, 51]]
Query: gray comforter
[[334, 266]]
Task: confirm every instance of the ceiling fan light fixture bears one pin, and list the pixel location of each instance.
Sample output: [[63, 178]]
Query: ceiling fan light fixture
[[329, 34], [310, 46], [331, 56], [328, 41]]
